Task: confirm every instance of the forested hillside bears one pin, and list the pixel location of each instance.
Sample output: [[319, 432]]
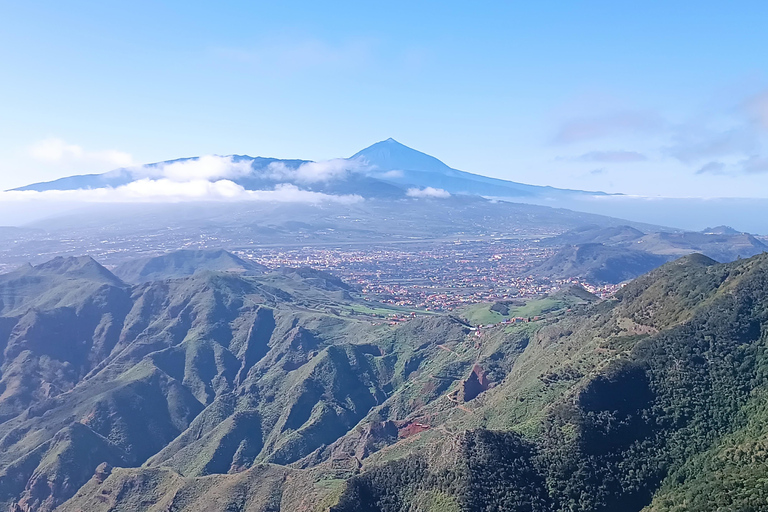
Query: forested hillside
[[669, 414]]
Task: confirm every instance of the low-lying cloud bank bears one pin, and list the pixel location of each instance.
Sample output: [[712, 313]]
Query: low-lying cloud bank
[[315, 172], [209, 167], [205, 178], [213, 167], [167, 190], [428, 192]]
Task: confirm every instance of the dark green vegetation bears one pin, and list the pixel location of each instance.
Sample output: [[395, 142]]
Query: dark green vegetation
[[227, 392]]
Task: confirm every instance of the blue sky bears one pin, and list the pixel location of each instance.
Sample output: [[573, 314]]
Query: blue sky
[[646, 98]]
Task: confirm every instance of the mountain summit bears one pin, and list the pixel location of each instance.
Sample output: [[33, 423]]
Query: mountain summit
[[405, 166], [390, 155]]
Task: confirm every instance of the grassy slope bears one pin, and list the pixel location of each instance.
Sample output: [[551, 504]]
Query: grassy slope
[[492, 313], [208, 374]]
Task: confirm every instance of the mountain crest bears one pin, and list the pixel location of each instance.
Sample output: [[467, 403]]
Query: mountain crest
[[394, 168], [391, 155], [184, 262], [80, 267]]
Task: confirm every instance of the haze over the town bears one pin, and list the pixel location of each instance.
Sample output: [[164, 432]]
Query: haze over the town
[[648, 99], [383, 256]]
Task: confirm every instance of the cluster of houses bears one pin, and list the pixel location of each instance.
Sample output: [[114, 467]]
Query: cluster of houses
[[515, 320]]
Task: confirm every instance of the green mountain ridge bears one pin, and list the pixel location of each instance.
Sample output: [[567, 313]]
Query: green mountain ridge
[[224, 391]]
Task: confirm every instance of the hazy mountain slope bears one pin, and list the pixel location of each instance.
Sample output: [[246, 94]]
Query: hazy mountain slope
[[113, 179], [596, 234], [598, 263], [138, 228], [397, 163], [720, 244], [183, 263], [56, 283], [720, 230], [721, 247]]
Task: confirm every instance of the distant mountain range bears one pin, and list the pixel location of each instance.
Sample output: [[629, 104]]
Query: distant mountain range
[[387, 169], [614, 254], [598, 263]]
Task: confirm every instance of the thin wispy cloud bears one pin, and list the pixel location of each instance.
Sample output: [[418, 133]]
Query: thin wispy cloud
[[56, 151], [612, 157], [692, 144], [611, 125], [727, 139], [754, 165], [712, 168]]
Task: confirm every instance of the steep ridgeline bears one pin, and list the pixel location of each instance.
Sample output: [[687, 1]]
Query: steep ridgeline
[[215, 373], [282, 391]]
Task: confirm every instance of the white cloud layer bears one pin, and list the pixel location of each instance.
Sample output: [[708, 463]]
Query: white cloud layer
[[314, 172], [209, 167], [57, 151], [206, 178], [213, 167], [166, 190], [428, 192]]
